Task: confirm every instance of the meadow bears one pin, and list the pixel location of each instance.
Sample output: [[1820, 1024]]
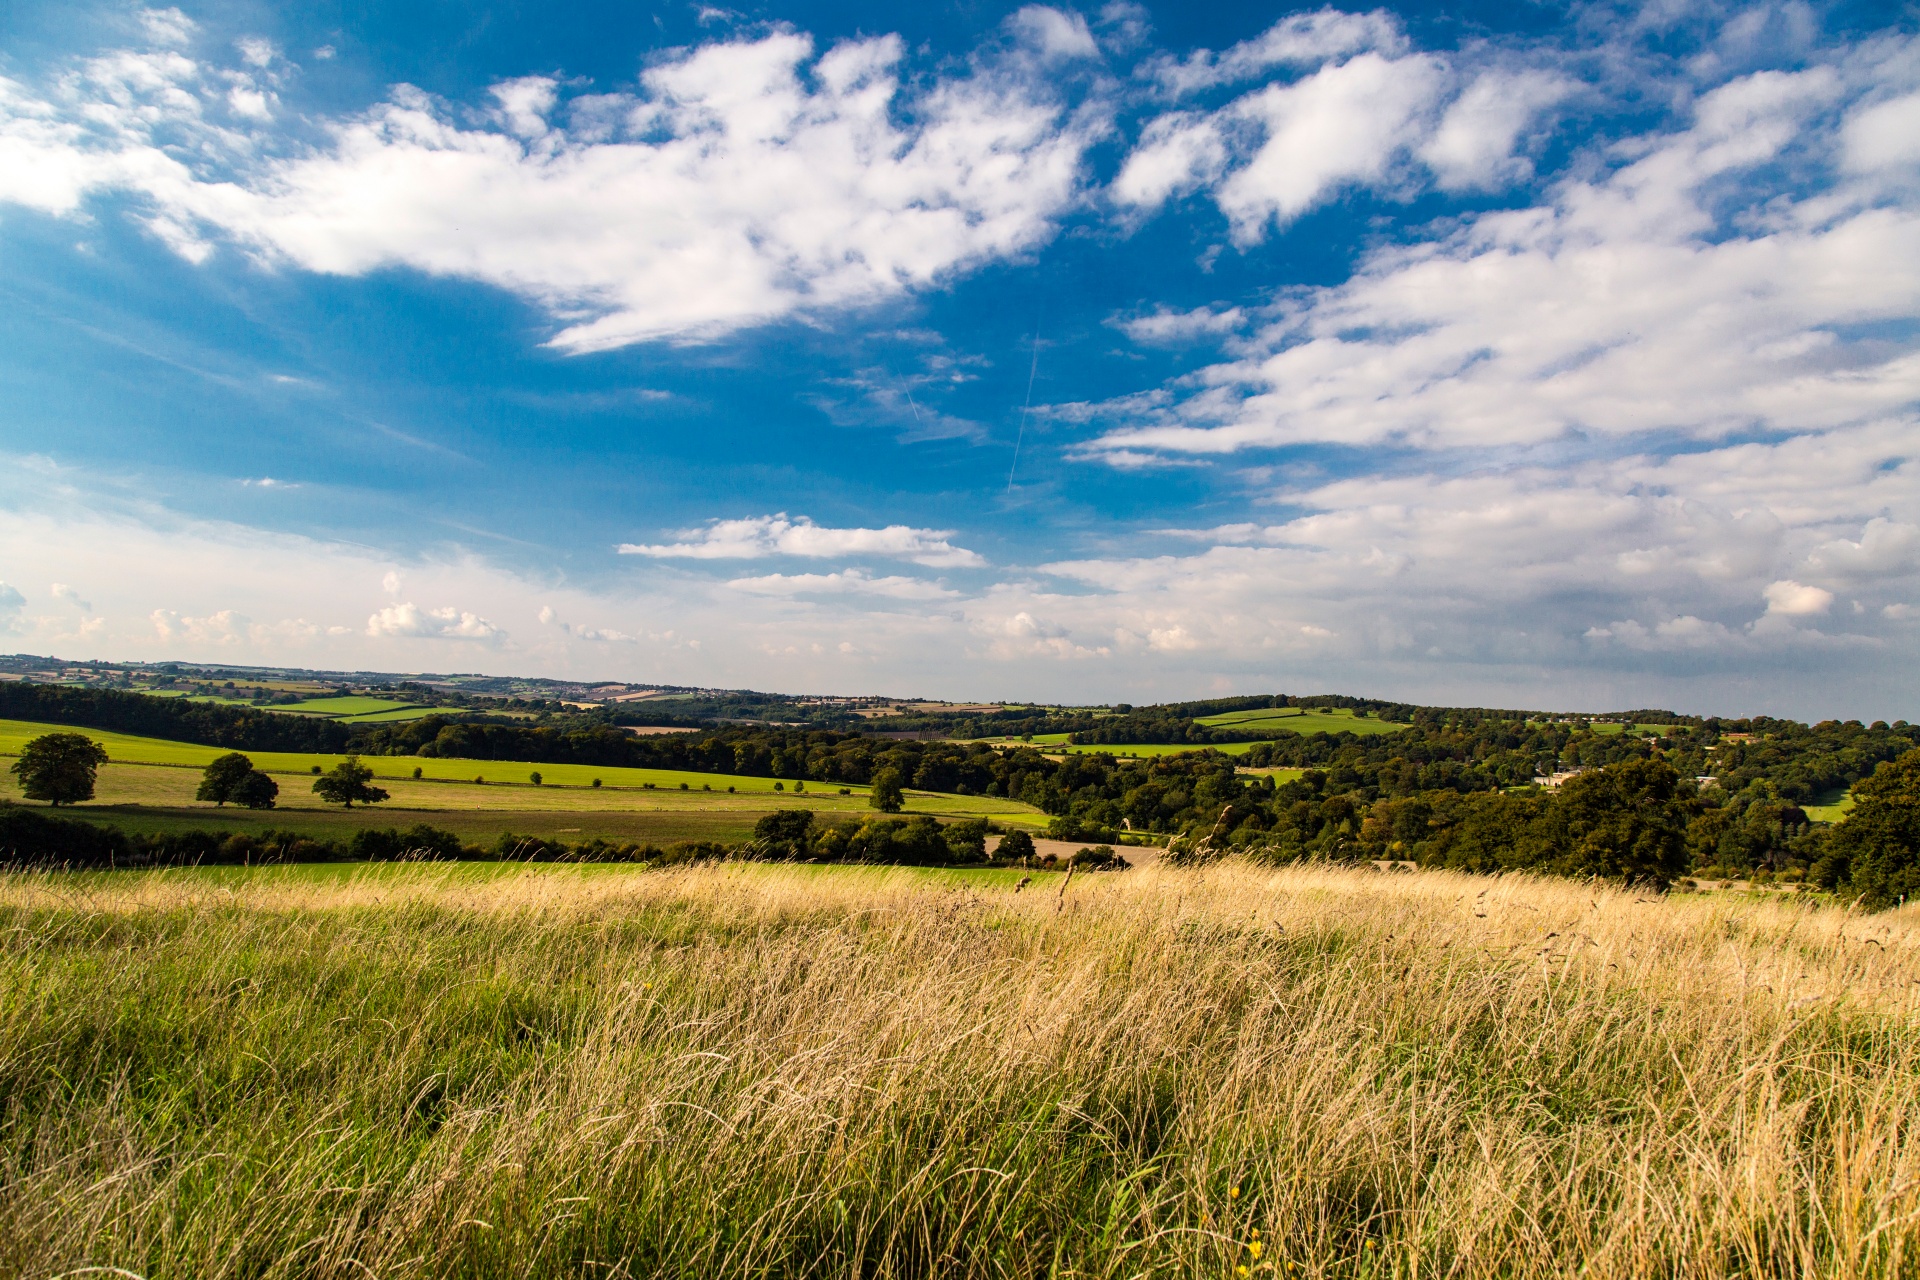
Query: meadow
[[770, 1071], [148, 784], [1301, 720]]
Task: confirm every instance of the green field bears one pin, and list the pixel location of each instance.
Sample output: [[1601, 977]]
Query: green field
[[149, 783], [1831, 808], [1300, 720], [356, 709], [1606, 727], [752, 1072]]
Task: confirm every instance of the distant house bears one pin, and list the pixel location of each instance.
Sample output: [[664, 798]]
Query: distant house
[[1552, 780]]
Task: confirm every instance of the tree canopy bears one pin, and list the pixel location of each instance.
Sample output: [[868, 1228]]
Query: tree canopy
[[346, 782], [59, 768]]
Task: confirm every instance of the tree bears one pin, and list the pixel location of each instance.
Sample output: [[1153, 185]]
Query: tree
[[1877, 845], [1627, 822], [59, 767], [785, 832], [347, 783], [1015, 844], [223, 777], [887, 796], [256, 791]]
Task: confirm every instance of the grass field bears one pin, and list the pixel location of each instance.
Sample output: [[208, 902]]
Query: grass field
[[761, 1071], [149, 784], [1832, 809], [1300, 720]]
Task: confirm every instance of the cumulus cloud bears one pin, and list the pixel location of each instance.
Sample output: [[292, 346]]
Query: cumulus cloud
[[1796, 600], [1305, 39], [757, 537], [1634, 302], [744, 180], [1475, 144], [409, 620], [224, 629], [61, 591], [1885, 135]]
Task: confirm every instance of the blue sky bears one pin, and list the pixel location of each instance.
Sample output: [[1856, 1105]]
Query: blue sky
[[1554, 355]]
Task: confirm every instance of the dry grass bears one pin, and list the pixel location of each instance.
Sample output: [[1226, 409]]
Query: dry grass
[[811, 1071]]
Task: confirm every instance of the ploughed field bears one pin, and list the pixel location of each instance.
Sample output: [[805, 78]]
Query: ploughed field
[[733, 1070], [148, 784]]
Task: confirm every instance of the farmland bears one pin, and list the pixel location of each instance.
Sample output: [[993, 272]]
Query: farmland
[[782, 1071], [1299, 720], [148, 785]]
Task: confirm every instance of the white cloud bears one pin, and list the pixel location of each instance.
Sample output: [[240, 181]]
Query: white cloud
[[1885, 548], [166, 26], [1475, 142], [749, 180], [1305, 39], [223, 629], [1053, 33], [1884, 136], [1172, 328], [757, 537], [61, 591], [1177, 153], [1340, 125], [1631, 303], [410, 620], [845, 582], [1796, 600]]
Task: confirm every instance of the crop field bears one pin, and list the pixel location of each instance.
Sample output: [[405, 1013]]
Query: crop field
[[148, 785], [776, 1071], [1300, 720]]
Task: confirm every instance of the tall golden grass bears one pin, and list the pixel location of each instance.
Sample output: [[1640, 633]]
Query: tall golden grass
[[758, 1071]]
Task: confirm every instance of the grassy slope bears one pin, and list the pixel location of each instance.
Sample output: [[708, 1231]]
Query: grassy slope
[[1301, 720], [156, 793], [761, 1071]]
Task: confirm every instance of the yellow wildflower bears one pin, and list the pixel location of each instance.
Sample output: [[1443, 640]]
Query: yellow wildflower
[[1255, 1249]]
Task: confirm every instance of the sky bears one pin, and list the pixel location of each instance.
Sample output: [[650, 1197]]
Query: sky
[[1558, 355]]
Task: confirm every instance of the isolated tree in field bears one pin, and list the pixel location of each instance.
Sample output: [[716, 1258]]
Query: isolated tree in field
[[59, 767], [1015, 844], [1877, 845], [887, 795], [222, 777], [348, 782], [256, 791]]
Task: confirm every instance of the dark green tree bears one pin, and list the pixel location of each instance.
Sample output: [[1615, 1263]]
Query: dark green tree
[[1876, 847], [784, 833], [348, 782], [256, 791], [1015, 844], [222, 777], [888, 796], [59, 767], [1624, 822]]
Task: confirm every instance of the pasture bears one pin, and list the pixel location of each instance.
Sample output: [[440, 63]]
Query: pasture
[[149, 783], [1301, 720], [748, 1070]]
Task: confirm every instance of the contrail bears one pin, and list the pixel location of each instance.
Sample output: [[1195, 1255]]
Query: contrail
[[1024, 409]]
